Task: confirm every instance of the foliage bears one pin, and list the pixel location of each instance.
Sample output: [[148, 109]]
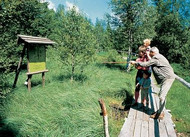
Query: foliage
[[181, 71], [172, 35], [113, 56], [76, 42], [20, 17], [103, 35], [4, 85], [134, 21]]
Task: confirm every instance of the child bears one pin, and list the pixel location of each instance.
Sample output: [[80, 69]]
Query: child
[[142, 58], [147, 46], [144, 84], [146, 43]]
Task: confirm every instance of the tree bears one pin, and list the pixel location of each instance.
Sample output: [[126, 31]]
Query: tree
[[133, 21], [103, 33], [78, 42], [20, 17], [99, 32], [109, 40], [172, 33]]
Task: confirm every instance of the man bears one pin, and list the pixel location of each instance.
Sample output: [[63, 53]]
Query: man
[[163, 74]]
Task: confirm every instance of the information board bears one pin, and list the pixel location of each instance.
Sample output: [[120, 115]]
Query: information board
[[36, 58]]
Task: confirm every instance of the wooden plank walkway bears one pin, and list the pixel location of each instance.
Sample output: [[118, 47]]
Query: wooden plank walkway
[[139, 124]]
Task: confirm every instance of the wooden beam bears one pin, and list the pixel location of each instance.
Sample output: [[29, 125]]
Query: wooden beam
[[43, 79], [144, 129], [37, 72], [137, 131], [183, 81], [18, 67], [105, 117], [114, 62], [151, 128], [126, 129], [29, 82]]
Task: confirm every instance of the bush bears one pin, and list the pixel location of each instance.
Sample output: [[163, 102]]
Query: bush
[[110, 56], [181, 71], [4, 85]]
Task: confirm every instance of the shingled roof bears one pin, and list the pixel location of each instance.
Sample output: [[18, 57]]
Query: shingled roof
[[34, 40]]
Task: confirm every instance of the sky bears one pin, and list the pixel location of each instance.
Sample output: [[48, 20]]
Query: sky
[[92, 8]]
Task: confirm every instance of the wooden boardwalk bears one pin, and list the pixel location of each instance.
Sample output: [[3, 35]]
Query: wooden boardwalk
[[139, 124]]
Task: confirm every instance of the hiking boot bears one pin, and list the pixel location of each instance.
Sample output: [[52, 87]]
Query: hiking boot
[[156, 115], [153, 115], [161, 116]]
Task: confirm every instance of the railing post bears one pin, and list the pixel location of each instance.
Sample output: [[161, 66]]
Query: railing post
[[182, 81], [105, 117]]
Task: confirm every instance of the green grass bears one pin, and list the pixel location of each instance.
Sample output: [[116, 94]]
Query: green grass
[[178, 101], [65, 108]]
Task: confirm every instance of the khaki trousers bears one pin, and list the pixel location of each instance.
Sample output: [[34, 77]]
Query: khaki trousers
[[164, 88]]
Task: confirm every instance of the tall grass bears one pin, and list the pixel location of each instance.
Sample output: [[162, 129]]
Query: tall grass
[[178, 101], [71, 109], [65, 108]]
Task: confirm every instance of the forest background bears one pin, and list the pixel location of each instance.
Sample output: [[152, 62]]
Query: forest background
[[79, 42]]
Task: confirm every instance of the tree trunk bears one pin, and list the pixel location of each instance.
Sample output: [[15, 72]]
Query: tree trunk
[[73, 68]]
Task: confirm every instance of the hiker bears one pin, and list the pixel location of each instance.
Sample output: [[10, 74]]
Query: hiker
[[142, 58], [144, 84], [164, 75]]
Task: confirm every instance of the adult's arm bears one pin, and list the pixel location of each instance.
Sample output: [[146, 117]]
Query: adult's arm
[[152, 61]]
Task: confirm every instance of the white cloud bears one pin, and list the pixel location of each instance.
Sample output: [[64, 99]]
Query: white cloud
[[51, 5], [70, 6]]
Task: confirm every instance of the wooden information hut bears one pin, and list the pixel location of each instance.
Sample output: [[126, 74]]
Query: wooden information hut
[[36, 57]]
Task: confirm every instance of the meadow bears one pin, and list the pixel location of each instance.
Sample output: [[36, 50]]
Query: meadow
[[71, 109]]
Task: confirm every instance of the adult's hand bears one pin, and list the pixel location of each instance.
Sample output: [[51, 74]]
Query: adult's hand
[[132, 62]]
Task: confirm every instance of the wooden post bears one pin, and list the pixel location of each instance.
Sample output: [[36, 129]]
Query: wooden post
[[115, 62], [105, 117], [43, 79], [128, 59], [29, 82], [18, 68], [183, 81]]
